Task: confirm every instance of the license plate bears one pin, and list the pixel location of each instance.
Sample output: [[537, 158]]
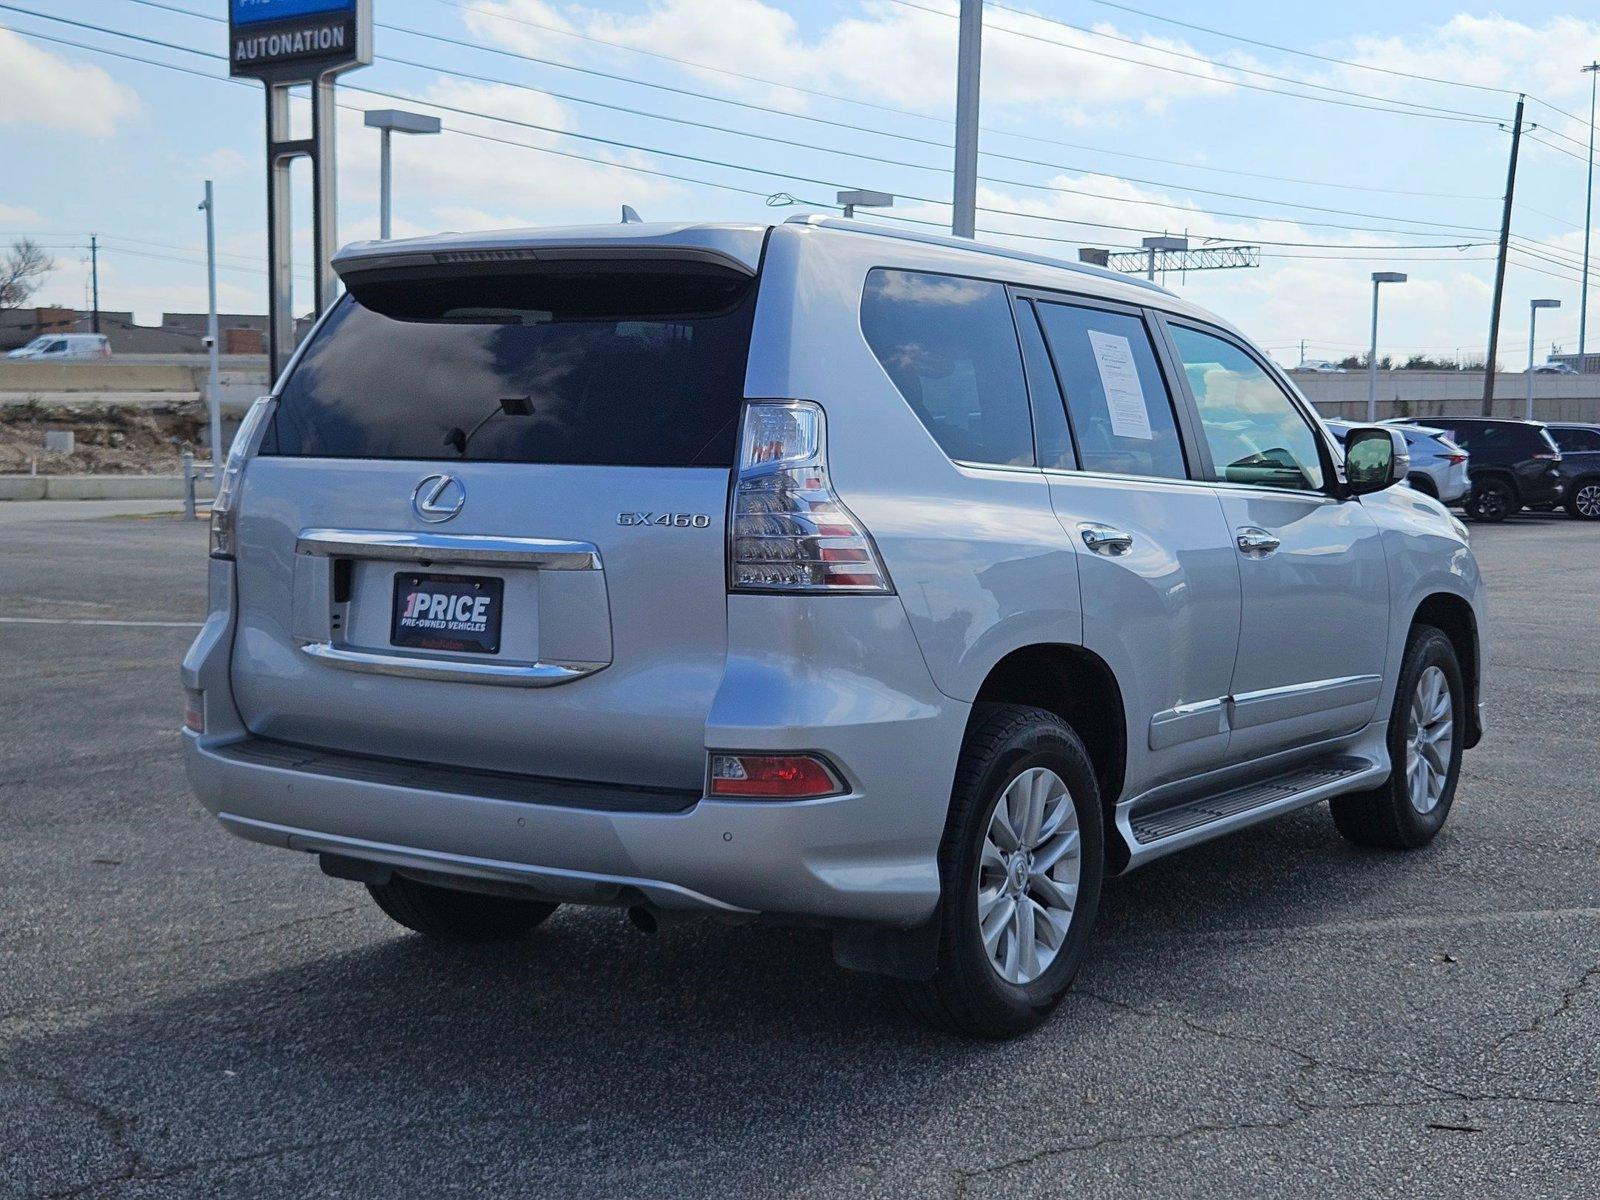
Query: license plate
[[459, 613]]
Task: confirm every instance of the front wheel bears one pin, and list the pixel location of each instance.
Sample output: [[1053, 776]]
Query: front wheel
[[1408, 810], [1491, 500], [1021, 865], [1584, 501]]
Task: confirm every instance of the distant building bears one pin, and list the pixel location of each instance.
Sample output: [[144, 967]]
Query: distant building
[[178, 333]]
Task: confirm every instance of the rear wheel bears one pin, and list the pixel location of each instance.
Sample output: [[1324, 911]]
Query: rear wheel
[[1584, 500], [1425, 728], [447, 915], [1491, 500], [1022, 862]]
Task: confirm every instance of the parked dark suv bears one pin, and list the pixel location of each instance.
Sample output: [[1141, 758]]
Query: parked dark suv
[[1514, 464], [1580, 467]]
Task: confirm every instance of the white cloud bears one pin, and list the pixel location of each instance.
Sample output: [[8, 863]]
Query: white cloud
[[224, 162], [45, 90], [889, 54], [13, 216]]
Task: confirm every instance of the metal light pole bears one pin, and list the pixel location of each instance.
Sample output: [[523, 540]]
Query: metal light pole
[[1379, 278], [387, 121], [213, 393], [969, 52], [1593, 71], [1533, 323]]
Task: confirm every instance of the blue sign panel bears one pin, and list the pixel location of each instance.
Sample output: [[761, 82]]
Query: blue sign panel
[[250, 12], [298, 40]]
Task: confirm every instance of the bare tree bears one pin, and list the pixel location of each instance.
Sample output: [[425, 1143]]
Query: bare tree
[[22, 272]]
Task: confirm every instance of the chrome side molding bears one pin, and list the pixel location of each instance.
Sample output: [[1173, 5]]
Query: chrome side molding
[[545, 553]]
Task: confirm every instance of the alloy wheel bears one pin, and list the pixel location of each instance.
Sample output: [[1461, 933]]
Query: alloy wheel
[[1028, 875], [1430, 739], [1587, 501]]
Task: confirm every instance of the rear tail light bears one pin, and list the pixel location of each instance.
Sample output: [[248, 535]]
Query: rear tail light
[[772, 777], [1455, 459], [226, 502], [789, 531], [194, 710]]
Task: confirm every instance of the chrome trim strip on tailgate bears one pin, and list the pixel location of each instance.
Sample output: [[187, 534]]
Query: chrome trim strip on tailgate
[[451, 670], [545, 553]]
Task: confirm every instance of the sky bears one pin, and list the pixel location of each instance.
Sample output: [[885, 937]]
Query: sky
[[1300, 128]]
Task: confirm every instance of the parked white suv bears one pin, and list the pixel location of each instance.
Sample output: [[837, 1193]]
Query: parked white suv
[[889, 583]]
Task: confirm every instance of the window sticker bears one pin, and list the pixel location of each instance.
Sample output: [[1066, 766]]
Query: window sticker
[[1113, 355]]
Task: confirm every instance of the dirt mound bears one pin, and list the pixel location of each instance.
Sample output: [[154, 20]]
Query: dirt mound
[[109, 439]]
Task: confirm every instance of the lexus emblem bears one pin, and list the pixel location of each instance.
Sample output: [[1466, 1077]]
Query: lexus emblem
[[438, 498]]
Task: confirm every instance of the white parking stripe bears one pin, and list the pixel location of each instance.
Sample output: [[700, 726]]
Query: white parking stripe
[[86, 621]]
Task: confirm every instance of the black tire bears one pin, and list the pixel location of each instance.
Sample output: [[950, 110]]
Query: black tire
[[1385, 817], [1583, 501], [967, 994], [448, 915], [1491, 500]]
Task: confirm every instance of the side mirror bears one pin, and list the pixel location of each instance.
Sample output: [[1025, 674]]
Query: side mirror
[[1375, 457]]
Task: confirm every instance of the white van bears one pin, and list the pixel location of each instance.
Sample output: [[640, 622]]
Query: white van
[[60, 347]]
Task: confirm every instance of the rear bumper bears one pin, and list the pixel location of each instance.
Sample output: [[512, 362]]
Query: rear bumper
[[813, 859]]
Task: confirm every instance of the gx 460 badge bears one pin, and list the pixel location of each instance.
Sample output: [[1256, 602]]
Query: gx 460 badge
[[670, 520]]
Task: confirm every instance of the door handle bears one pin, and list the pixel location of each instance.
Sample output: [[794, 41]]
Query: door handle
[[1103, 539], [1256, 543]]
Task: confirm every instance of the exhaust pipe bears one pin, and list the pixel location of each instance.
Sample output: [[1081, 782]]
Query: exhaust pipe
[[644, 918]]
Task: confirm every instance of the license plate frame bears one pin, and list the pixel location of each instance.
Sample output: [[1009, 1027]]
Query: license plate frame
[[470, 612]]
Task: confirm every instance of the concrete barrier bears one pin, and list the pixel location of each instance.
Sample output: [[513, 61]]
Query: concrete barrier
[[1452, 393], [22, 487], [88, 400], [97, 487], [97, 375]]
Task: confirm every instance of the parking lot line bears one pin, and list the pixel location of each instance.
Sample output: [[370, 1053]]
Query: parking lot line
[[87, 621]]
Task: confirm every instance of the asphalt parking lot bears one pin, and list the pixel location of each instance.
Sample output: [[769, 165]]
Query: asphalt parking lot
[[182, 1014]]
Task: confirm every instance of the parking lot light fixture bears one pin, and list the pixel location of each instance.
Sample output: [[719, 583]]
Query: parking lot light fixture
[[387, 121], [1379, 278], [856, 198], [1533, 323]]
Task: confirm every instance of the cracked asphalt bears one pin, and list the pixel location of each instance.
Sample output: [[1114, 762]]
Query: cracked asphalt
[[182, 1014]]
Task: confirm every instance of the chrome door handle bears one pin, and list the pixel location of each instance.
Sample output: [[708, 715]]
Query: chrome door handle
[[1256, 543], [1103, 539]]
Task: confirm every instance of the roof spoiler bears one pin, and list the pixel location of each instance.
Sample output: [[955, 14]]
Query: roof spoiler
[[356, 262]]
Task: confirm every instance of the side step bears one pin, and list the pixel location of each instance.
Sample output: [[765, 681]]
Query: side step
[[1152, 833]]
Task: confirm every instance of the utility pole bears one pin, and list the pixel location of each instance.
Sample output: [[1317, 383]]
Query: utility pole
[[1593, 71], [1500, 262], [94, 275], [969, 53], [213, 392]]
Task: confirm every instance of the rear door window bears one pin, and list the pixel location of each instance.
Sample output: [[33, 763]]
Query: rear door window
[[1577, 440], [583, 364], [1121, 413], [950, 346]]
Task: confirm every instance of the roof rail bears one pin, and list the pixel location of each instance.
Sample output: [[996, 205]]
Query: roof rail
[[974, 247]]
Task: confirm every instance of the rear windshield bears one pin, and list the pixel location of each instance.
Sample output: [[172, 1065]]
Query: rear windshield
[[580, 364]]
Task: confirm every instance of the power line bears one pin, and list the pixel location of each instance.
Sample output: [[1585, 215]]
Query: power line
[[708, 161], [931, 142], [1004, 233], [1200, 58], [1458, 117], [1343, 62]]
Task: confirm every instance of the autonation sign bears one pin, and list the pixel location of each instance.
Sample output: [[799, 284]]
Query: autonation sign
[[298, 39]]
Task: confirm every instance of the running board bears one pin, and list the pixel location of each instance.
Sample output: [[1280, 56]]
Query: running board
[[1150, 834]]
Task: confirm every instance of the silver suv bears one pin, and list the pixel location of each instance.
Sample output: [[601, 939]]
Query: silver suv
[[886, 583]]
